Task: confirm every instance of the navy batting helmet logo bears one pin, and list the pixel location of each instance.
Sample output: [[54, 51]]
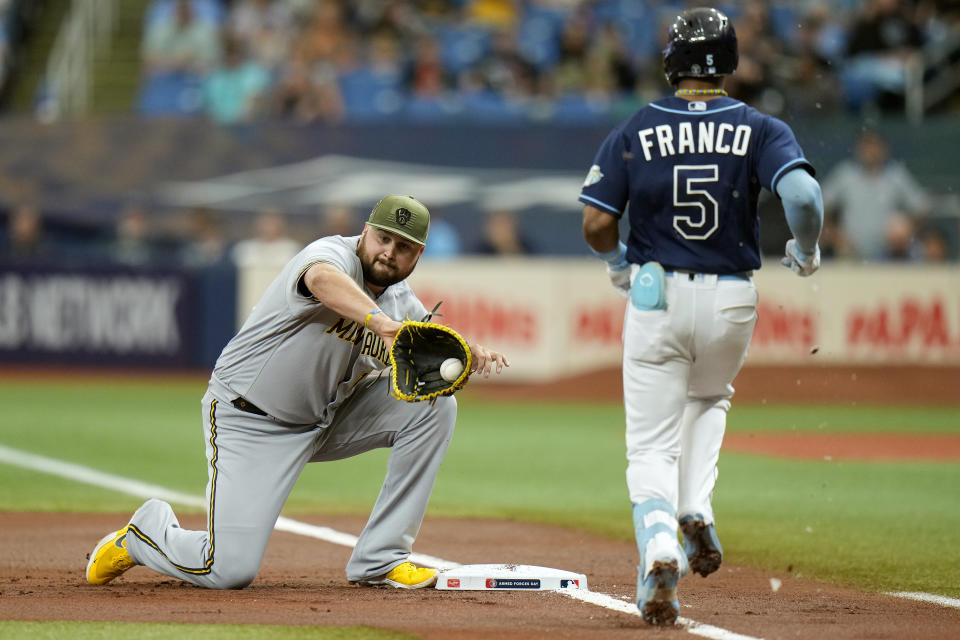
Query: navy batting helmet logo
[[403, 216]]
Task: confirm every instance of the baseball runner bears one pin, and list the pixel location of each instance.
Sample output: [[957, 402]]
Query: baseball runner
[[304, 381], [691, 166]]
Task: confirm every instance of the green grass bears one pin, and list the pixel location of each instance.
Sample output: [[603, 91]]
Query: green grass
[[141, 631], [845, 419], [878, 526], [875, 526]]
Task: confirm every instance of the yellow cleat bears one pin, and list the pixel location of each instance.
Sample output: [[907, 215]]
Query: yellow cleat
[[109, 558], [407, 576]]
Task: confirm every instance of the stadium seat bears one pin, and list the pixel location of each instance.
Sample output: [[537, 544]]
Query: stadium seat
[[171, 94], [369, 95]]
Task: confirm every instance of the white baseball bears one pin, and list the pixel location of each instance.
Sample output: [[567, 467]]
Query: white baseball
[[450, 369]]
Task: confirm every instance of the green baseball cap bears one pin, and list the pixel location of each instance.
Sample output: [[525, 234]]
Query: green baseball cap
[[403, 215]]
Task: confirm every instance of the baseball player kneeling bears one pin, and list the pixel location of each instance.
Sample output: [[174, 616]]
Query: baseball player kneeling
[[304, 380]]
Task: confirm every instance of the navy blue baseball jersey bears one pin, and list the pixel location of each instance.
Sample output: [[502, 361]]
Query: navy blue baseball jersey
[[692, 173]]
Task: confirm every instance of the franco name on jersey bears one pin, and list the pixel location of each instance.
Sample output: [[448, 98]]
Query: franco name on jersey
[[684, 137]]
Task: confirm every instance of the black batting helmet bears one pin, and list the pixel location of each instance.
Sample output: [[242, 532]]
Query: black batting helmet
[[701, 44]]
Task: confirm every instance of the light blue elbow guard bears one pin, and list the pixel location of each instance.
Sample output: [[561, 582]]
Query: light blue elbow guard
[[649, 289]]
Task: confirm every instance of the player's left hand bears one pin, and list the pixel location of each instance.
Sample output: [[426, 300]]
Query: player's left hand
[[485, 360], [802, 264]]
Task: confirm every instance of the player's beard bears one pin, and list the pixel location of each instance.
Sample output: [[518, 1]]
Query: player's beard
[[380, 273]]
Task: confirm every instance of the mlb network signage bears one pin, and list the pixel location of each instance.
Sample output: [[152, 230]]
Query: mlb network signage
[[96, 316]]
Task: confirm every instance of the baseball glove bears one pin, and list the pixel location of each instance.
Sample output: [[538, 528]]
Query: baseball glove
[[419, 349]]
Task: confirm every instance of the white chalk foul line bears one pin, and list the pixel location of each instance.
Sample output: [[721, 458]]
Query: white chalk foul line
[[97, 478], [692, 626], [927, 597]]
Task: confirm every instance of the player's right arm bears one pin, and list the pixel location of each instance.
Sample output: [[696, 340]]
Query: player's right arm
[[602, 234], [600, 229], [337, 291]]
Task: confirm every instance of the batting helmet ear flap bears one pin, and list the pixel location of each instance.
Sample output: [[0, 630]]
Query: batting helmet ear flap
[[701, 44]]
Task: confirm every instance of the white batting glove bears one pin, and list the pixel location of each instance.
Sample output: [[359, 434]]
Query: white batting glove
[[802, 264], [618, 269], [620, 277]]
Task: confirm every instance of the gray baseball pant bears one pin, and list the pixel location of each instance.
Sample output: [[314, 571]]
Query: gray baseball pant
[[254, 461]]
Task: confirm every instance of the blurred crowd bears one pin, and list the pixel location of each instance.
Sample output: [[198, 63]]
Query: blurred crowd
[[875, 211], [200, 238], [559, 61], [516, 60]]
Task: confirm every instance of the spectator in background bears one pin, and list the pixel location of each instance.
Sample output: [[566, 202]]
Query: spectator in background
[[505, 71], [207, 244], [339, 220], [502, 236], [570, 72], [933, 245], [872, 203], [234, 89], [178, 42], [611, 48], [265, 28], [426, 77], [307, 92], [132, 244], [494, 13], [26, 241], [760, 52], [880, 44], [270, 246], [307, 86], [444, 239], [809, 84]]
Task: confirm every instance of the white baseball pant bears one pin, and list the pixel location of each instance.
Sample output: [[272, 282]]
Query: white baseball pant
[[678, 367]]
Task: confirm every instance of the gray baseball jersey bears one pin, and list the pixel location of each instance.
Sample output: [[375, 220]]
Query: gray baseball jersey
[[296, 359]]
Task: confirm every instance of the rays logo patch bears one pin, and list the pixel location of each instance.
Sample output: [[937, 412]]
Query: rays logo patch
[[593, 176], [403, 216]]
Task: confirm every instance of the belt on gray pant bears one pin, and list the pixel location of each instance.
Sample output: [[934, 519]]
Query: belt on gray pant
[[692, 275], [249, 407]]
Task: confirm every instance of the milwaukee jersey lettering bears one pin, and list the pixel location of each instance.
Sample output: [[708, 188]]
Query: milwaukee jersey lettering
[[691, 173]]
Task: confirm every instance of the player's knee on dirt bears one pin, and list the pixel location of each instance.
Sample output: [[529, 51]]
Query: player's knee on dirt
[[233, 570]]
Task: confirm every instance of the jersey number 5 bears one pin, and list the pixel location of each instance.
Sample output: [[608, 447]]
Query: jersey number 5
[[688, 191]]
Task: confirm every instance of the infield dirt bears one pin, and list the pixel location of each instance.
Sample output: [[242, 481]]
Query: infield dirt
[[301, 582]]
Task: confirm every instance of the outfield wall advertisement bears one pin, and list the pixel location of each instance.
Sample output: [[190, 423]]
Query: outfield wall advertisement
[[114, 316], [561, 317], [51, 315], [552, 317]]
